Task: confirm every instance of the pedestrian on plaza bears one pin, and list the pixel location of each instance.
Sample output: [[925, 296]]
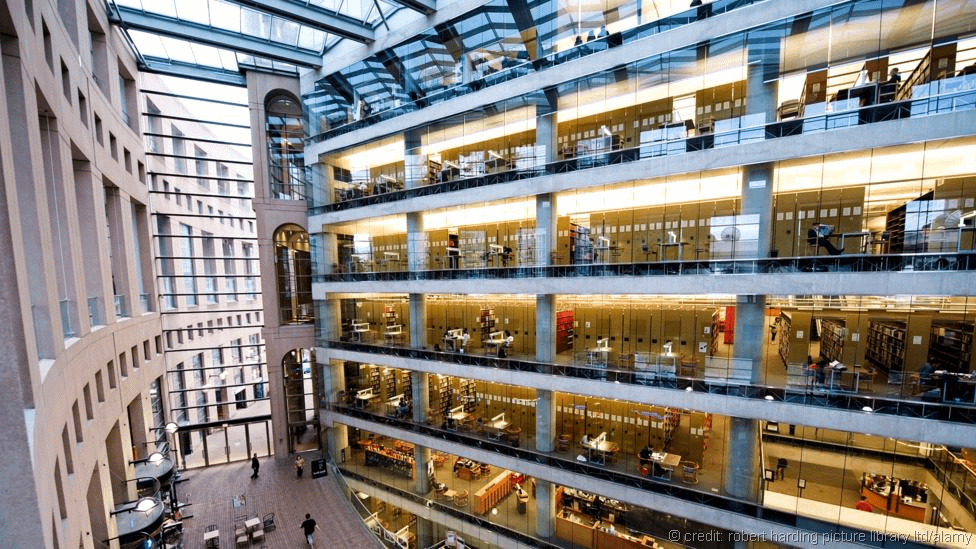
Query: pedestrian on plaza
[[299, 466], [309, 527], [255, 465]]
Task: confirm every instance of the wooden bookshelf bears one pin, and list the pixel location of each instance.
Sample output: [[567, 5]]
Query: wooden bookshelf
[[564, 331], [832, 332], [886, 344], [951, 346]]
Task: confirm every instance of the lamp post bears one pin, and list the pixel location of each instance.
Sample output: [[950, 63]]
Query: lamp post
[[174, 503]]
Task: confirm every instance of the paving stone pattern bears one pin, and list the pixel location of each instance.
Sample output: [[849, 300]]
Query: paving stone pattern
[[211, 492]]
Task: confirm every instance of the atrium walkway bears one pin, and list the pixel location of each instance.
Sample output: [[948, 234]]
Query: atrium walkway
[[212, 491]]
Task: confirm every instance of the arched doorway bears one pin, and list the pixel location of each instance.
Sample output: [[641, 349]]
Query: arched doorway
[[301, 379]]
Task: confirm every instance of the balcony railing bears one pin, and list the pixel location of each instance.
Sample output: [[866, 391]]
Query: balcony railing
[[744, 508], [956, 412], [744, 130], [854, 263]]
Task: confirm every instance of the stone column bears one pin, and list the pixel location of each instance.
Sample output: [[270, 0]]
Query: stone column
[[423, 469], [545, 131], [545, 508], [545, 327], [545, 420], [545, 228], [420, 394], [414, 163], [418, 321]]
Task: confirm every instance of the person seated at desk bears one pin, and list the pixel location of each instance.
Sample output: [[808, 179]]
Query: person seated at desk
[[403, 409], [817, 236], [925, 373], [645, 455], [503, 348], [585, 441], [465, 338]]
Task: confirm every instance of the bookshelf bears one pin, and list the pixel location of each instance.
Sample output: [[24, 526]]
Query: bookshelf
[[951, 346], [440, 396], [391, 386], [832, 332], [717, 328], [564, 331], [580, 244], [486, 319], [886, 344], [467, 393], [374, 380], [786, 329]]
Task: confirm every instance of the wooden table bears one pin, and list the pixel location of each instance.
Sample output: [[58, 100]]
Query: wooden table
[[252, 523], [600, 450], [497, 428]]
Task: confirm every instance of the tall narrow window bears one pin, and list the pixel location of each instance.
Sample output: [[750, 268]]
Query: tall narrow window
[[293, 267], [189, 271], [286, 150]]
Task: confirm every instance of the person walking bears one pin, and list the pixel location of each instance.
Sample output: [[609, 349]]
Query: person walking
[[255, 465], [299, 466], [309, 527]]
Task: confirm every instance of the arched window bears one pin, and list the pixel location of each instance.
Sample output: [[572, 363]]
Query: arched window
[[286, 148], [301, 378], [293, 266]]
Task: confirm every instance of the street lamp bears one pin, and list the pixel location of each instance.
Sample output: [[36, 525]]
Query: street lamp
[[170, 429]]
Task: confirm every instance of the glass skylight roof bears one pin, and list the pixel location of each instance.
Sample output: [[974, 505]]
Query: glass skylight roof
[[227, 16]]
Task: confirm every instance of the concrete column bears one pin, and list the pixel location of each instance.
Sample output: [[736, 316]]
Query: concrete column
[[330, 325], [545, 327], [328, 259], [545, 131], [418, 321], [743, 436], [420, 394], [762, 77], [545, 420], [545, 508], [757, 203], [414, 163], [545, 228], [338, 440], [742, 449], [425, 532], [333, 380], [416, 242], [750, 334], [424, 468]]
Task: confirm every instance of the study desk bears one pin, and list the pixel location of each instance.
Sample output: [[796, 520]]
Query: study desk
[[597, 452], [359, 329], [666, 462], [663, 248], [846, 380], [454, 420], [492, 346], [863, 238], [497, 428], [598, 356]]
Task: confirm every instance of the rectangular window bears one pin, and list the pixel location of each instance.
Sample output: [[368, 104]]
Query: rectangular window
[[189, 271], [179, 151]]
